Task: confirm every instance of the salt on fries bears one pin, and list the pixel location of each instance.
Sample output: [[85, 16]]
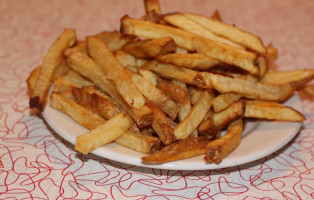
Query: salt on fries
[[167, 84]]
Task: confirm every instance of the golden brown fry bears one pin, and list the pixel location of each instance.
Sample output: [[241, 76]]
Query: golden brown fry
[[228, 31], [272, 53], [234, 111], [224, 100], [152, 5], [116, 73], [182, 149], [248, 88], [151, 48], [162, 125], [80, 46], [139, 142], [61, 69], [198, 112], [172, 72], [89, 69], [296, 78], [149, 75], [189, 60], [40, 92], [126, 60], [146, 29], [102, 134], [77, 112], [245, 60], [32, 78], [218, 149], [183, 22], [208, 128], [272, 111]]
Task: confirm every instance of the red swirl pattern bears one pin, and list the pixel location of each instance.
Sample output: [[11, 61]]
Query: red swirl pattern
[[35, 163]]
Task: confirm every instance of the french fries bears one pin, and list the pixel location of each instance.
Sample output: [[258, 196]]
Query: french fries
[[168, 84]]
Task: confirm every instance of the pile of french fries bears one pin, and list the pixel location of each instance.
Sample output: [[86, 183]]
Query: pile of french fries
[[166, 85]]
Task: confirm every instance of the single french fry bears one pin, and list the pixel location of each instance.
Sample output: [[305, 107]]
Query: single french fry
[[234, 111], [220, 148], [116, 73], [40, 92], [32, 78], [162, 125], [224, 100], [228, 31], [102, 134], [272, 111], [151, 48], [296, 78], [77, 112], [152, 5], [185, 23], [245, 60], [248, 88], [89, 69], [139, 142], [182, 149], [198, 112], [189, 60], [148, 30], [172, 72], [154, 94]]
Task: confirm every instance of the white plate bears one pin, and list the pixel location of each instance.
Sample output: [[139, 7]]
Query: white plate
[[259, 140]]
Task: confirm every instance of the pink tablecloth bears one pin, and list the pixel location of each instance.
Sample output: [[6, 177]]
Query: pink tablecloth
[[36, 163]]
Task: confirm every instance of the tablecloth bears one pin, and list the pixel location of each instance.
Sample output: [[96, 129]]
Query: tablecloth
[[36, 163]]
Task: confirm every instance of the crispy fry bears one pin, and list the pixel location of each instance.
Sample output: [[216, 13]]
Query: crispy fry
[[183, 22], [248, 88], [154, 94], [80, 46], [162, 125], [272, 111], [40, 92], [152, 5], [182, 149], [151, 48], [224, 100], [228, 31], [296, 78], [126, 60], [175, 92], [218, 149], [208, 128], [116, 73], [77, 112], [146, 29], [102, 134], [272, 53], [189, 60], [149, 75], [245, 60], [88, 68], [172, 72], [198, 112]]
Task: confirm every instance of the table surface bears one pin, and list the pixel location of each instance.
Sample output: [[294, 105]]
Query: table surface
[[36, 163]]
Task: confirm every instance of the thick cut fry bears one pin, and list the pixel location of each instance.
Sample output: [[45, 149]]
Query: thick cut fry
[[126, 60], [272, 111], [175, 92], [152, 5], [248, 88], [245, 60], [162, 125], [190, 60], [60, 69], [139, 142], [208, 128], [296, 78], [146, 29], [172, 72], [218, 149], [102, 134], [231, 32], [78, 113], [183, 22], [116, 73], [224, 100], [40, 92], [198, 112], [89, 69], [182, 149], [154, 94], [151, 48], [234, 111], [149, 75]]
